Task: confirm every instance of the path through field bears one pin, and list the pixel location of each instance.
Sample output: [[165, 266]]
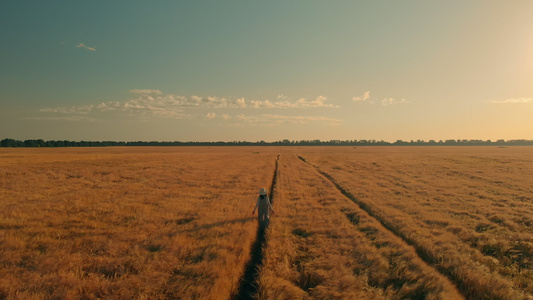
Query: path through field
[[128, 223], [322, 245], [350, 223], [248, 286], [423, 255], [466, 211]]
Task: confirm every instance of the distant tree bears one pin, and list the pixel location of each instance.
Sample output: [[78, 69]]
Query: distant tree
[[34, 143], [450, 142], [285, 142], [11, 143], [399, 143]]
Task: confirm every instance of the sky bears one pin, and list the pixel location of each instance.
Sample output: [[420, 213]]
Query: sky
[[266, 70]]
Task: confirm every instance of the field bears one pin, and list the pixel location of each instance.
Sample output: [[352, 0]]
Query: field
[[350, 223]]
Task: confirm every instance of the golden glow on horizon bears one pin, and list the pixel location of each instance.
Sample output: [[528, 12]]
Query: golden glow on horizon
[[267, 71]]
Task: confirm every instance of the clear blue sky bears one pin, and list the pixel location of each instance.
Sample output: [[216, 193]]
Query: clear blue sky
[[270, 70]]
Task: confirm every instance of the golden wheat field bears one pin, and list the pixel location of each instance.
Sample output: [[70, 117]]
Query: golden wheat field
[[349, 223]]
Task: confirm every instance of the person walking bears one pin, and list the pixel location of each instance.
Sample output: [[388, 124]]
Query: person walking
[[264, 207]]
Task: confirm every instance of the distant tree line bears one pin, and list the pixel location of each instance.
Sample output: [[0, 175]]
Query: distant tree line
[[53, 144]]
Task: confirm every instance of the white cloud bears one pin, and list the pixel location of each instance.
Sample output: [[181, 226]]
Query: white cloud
[[391, 101], [155, 100], [301, 119], [300, 103], [146, 92], [82, 45], [147, 103], [211, 102], [241, 102], [144, 105], [262, 104], [514, 101], [82, 109], [365, 97], [385, 101], [273, 120], [319, 101], [105, 106], [281, 96]]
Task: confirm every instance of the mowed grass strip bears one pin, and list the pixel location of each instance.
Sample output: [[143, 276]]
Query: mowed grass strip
[[321, 245], [127, 223], [468, 209]]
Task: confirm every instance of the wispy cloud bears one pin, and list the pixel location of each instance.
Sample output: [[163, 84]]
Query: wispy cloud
[[241, 103], [146, 92], [392, 101], [148, 104], [320, 101], [143, 105], [364, 97], [82, 45], [514, 101], [273, 120], [64, 118], [82, 109], [158, 103], [303, 119]]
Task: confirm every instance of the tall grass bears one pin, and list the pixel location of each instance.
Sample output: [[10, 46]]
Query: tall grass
[[466, 209], [129, 223], [170, 223], [321, 245]]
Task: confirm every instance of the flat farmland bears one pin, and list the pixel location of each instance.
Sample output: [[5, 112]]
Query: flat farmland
[[128, 223], [468, 211], [350, 223]]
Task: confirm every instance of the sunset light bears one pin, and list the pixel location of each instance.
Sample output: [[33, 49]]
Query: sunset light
[[296, 70]]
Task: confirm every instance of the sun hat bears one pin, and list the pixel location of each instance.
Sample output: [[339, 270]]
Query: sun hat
[[262, 192]]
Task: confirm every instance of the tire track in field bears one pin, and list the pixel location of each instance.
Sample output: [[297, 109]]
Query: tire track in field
[[248, 282], [424, 255]]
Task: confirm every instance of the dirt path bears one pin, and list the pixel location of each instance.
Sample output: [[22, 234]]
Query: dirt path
[[248, 286]]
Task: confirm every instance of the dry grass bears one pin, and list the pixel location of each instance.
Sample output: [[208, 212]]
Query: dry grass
[[166, 223], [144, 223], [323, 246], [469, 210]]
